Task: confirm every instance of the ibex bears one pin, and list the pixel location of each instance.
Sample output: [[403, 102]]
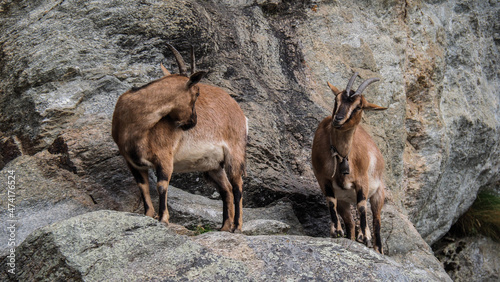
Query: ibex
[[176, 124], [348, 165]]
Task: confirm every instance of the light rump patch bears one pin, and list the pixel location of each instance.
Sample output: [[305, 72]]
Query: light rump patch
[[196, 156]]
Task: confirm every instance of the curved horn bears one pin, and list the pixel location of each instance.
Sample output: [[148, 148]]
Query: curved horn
[[178, 58], [349, 84], [364, 85], [193, 65]]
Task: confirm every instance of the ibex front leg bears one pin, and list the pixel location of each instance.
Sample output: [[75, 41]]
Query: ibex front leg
[[335, 227], [364, 236], [163, 173]]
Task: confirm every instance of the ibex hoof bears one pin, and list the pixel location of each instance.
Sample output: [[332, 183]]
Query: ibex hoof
[[368, 243], [363, 240], [227, 227], [379, 250], [337, 234]]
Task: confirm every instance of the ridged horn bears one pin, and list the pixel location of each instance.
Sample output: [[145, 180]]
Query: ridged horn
[[178, 58], [193, 65], [349, 84], [365, 84]]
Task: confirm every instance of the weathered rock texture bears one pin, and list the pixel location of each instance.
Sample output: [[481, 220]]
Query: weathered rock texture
[[118, 246], [64, 63], [470, 259]]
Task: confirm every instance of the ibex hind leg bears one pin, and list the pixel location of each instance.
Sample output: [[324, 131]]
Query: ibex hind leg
[[163, 173], [141, 178], [237, 185], [219, 178], [377, 202]]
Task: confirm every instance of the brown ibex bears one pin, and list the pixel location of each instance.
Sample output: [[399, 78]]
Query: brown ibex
[[175, 124], [348, 165]]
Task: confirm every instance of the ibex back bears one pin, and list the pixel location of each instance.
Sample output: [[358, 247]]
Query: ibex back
[[176, 124]]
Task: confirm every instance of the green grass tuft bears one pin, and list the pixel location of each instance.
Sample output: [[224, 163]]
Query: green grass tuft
[[199, 229], [483, 217]]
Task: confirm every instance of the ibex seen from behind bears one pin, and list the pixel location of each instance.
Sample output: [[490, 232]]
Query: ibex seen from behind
[[348, 164], [176, 124]]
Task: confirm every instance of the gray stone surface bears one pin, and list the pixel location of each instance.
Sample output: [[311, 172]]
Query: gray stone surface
[[119, 246], [403, 243], [195, 210], [265, 227], [64, 63], [470, 258], [37, 201], [452, 112]]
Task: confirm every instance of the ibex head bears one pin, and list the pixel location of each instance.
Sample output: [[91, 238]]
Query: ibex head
[[184, 112], [349, 104]]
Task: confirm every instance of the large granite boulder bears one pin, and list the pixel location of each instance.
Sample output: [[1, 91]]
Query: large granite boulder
[[119, 246]]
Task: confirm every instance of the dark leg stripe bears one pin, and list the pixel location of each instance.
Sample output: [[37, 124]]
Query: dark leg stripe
[[160, 174], [348, 231], [162, 191], [360, 196], [329, 192], [223, 195], [333, 213], [137, 175], [378, 239], [237, 199], [362, 219], [146, 207]]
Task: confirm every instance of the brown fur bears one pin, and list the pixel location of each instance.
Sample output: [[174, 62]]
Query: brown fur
[[365, 180], [148, 129]]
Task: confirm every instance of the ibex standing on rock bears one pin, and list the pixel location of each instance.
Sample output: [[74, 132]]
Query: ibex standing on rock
[[348, 165], [176, 124]]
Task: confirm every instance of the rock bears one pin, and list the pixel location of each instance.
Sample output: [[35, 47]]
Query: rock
[[38, 200], [265, 227], [109, 245], [194, 210], [116, 246], [308, 258], [403, 243], [452, 110], [470, 258], [63, 65]]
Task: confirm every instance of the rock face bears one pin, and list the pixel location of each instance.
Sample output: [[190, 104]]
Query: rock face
[[470, 259], [63, 65], [118, 246]]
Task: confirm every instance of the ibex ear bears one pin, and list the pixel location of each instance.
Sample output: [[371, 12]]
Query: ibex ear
[[334, 89], [164, 70], [372, 107], [195, 78]]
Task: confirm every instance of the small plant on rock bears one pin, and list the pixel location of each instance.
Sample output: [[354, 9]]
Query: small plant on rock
[[483, 217]]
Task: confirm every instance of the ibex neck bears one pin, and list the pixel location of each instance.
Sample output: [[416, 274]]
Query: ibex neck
[[342, 140]]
